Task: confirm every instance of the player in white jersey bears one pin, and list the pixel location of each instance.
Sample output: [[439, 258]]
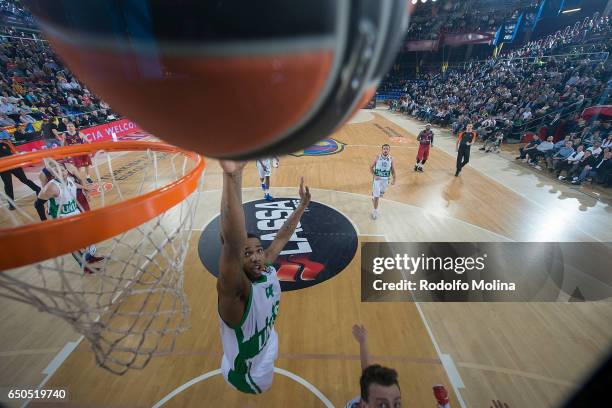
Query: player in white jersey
[[379, 385], [382, 169], [248, 289], [264, 168], [60, 193]]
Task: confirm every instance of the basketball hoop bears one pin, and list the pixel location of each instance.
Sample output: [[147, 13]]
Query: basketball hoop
[[130, 305]]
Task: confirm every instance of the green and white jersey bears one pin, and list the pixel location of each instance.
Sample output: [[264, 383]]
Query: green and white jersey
[[65, 204], [249, 350], [382, 168]]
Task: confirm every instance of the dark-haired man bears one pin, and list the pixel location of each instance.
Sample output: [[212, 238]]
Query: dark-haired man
[[425, 139], [248, 289], [382, 169], [379, 385], [465, 140]]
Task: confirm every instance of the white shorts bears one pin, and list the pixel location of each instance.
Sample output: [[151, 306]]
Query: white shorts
[[261, 373], [265, 170], [379, 186]]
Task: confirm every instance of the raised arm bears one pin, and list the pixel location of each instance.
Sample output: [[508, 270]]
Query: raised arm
[[48, 191], [284, 233], [232, 284], [361, 335]]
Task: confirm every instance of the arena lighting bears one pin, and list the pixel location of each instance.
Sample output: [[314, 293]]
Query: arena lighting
[[423, 1], [415, 1], [570, 10]]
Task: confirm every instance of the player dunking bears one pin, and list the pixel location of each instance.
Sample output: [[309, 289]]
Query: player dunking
[[382, 169], [264, 168], [61, 193], [248, 289], [73, 137], [425, 139]]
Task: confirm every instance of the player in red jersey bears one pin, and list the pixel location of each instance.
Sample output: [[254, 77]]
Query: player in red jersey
[[72, 137], [425, 139]]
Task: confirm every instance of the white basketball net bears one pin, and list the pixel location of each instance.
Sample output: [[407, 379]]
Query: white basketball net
[[130, 305]]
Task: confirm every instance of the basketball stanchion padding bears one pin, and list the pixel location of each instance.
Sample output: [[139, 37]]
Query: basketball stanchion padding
[[129, 303]]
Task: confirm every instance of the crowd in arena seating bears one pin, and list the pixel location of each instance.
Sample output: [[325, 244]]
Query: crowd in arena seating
[[575, 157], [16, 13], [506, 96], [579, 33], [429, 20], [507, 93], [36, 89]]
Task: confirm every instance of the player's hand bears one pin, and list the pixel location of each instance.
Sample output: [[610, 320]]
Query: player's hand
[[304, 194], [360, 333], [499, 404], [393, 181], [231, 167]]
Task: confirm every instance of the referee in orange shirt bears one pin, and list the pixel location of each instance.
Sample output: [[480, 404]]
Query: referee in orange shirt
[[464, 142]]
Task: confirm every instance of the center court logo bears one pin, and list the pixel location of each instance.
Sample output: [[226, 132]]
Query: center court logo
[[323, 244], [323, 148]]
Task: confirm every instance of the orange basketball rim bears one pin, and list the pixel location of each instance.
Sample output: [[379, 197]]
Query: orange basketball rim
[[27, 244]]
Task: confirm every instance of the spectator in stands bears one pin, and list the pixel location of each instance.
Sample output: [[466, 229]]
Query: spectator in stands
[[596, 148], [85, 121], [562, 154], [24, 119], [587, 160], [50, 133], [606, 129], [72, 101], [6, 121], [561, 143], [9, 109], [62, 126], [540, 151], [570, 162], [599, 168], [607, 143], [535, 141]]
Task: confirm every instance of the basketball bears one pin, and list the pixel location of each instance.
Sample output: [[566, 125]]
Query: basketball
[[291, 71]]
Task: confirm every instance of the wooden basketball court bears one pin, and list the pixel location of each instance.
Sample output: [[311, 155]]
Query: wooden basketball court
[[527, 354]]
